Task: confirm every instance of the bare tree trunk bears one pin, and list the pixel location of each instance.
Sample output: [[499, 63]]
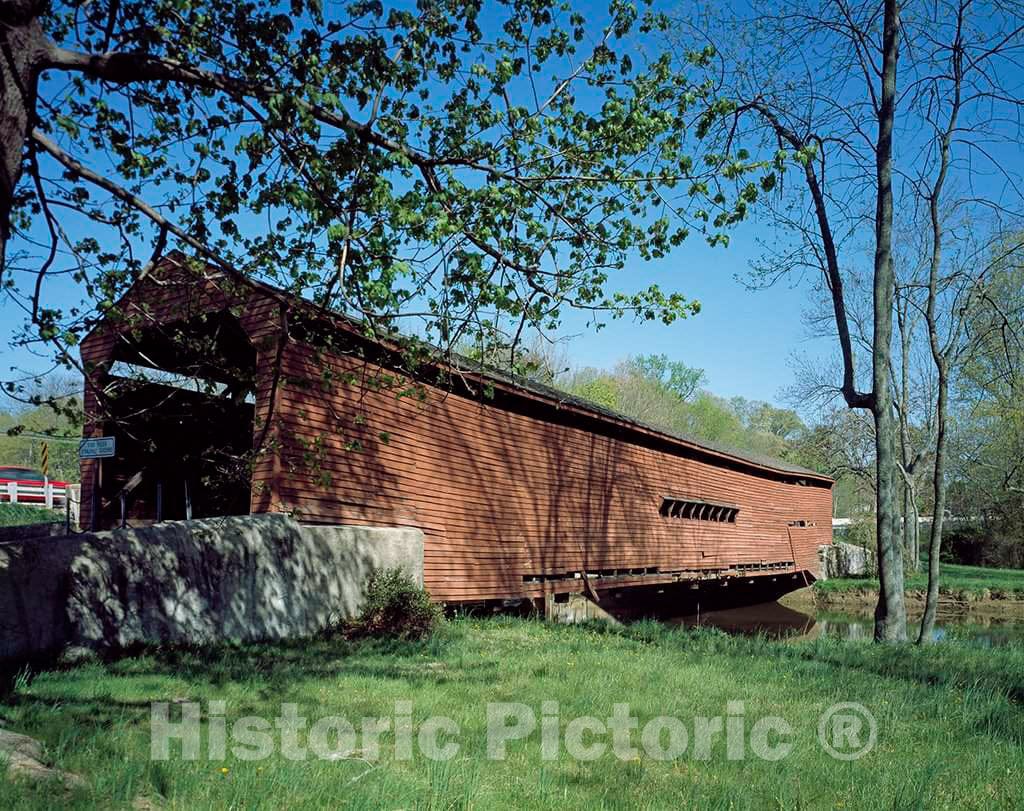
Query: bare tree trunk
[[915, 514], [908, 532], [940, 354], [912, 527], [21, 52], [938, 513], [890, 613], [909, 460]]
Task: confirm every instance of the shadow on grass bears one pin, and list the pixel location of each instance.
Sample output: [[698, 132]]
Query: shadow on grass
[[95, 706], [277, 661], [270, 669], [273, 671]]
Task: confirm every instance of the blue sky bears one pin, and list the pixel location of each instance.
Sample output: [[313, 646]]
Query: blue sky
[[742, 338]]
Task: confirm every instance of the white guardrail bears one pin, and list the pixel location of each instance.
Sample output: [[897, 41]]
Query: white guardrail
[[40, 495]]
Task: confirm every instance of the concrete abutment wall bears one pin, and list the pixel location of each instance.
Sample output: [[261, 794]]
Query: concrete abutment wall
[[846, 560], [190, 582]]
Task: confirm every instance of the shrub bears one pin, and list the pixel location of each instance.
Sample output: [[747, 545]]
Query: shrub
[[861, 532], [982, 546], [396, 607], [25, 515]]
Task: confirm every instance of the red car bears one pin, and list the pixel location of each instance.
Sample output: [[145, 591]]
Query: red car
[[25, 486]]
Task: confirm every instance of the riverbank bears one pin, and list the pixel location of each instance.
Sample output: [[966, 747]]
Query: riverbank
[[970, 590], [953, 712]]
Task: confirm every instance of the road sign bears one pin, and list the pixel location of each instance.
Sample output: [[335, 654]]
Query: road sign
[[45, 465], [97, 447]]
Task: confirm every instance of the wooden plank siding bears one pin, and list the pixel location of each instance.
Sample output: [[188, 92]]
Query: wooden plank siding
[[512, 488], [503, 495]]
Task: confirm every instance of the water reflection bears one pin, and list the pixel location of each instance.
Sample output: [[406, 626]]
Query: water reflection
[[778, 621], [767, 619]]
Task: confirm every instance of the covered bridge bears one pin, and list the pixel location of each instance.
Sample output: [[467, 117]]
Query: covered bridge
[[258, 401]]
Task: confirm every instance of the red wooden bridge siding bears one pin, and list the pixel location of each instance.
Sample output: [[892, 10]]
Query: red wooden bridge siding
[[513, 489]]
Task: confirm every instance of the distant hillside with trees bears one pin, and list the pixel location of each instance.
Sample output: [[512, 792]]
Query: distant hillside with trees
[[49, 413]]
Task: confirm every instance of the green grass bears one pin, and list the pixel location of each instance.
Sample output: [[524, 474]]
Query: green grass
[[16, 515], [950, 724], [952, 578]]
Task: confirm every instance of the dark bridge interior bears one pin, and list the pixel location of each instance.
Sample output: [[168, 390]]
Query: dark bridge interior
[[179, 398]]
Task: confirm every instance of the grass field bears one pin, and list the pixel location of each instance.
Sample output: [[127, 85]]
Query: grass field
[[949, 719], [16, 515], [952, 578]]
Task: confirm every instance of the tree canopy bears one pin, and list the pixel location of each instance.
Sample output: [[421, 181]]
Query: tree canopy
[[478, 166]]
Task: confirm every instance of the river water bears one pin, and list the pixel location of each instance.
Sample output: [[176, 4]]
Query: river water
[[778, 621]]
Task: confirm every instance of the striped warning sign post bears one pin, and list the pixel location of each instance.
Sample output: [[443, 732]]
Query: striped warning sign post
[[44, 463]]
